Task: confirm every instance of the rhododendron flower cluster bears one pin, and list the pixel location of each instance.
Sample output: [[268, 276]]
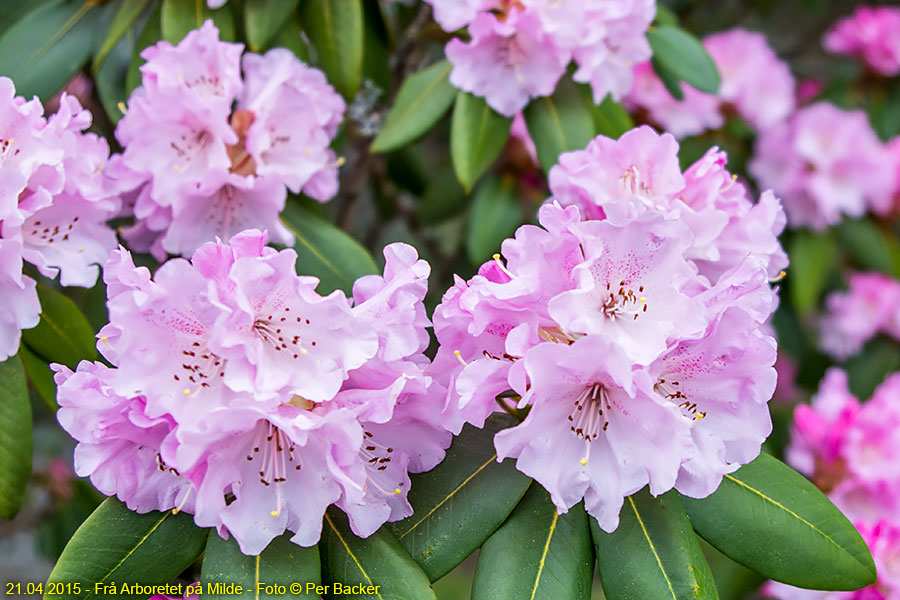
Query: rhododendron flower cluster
[[55, 200], [242, 396], [870, 306], [209, 153], [825, 162], [519, 49], [755, 85], [850, 451], [870, 34], [629, 324]]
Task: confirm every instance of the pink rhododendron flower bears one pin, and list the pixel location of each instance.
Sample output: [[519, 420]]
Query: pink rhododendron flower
[[870, 34], [242, 396], [870, 306], [824, 162], [208, 154]]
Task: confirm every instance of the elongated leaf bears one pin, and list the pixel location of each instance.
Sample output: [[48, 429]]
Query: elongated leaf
[[559, 123], [653, 553], [684, 55], [15, 436], [335, 29], [423, 99], [442, 199], [45, 49], [769, 518], [868, 368], [460, 503], [263, 19], [64, 334], [116, 545], [181, 16], [668, 77], [867, 245], [378, 565], [282, 563], [812, 257], [151, 34], [611, 119], [126, 15], [40, 376], [537, 554], [496, 214], [477, 134], [11, 11], [325, 251], [291, 37]]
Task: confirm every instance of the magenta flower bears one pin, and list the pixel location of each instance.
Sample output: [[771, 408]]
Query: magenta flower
[[870, 306], [869, 34]]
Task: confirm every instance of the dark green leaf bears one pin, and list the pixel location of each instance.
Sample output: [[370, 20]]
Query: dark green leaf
[[769, 518], [611, 119], [559, 123], [11, 11], [477, 135], [263, 19], [15, 436], [116, 545], [422, 100], [335, 29], [867, 245], [151, 34], [537, 554], [325, 251], [867, 368], [496, 214], [442, 199], [653, 553], [48, 46], [126, 15], [181, 16], [459, 503], [40, 376], [64, 334], [281, 563], [378, 560], [291, 37], [669, 78], [683, 54], [665, 16], [111, 79], [812, 257]]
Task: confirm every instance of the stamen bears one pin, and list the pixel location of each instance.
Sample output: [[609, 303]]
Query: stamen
[[181, 504], [503, 268], [459, 357], [781, 275]]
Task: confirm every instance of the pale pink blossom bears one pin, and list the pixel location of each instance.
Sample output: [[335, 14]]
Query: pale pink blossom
[[870, 34], [870, 306]]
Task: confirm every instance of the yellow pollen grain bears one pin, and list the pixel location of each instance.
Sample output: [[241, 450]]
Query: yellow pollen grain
[[104, 339], [121, 106], [583, 462], [643, 299], [397, 492], [274, 513], [304, 351], [496, 257], [187, 392], [341, 160]]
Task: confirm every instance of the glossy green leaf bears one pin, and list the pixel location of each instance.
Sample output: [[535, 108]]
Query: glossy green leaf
[[537, 554], [111, 79], [335, 29], [812, 257], [559, 123], [40, 376], [653, 553], [263, 19], [496, 214], [669, 78], [683, 54], [47, 47], [325, 251], [769, 518], [477, 135], [151, 34], [11, 11], [376, 562], [116, 545], [442, 199], [64, 334], [291, 37], [423, 99], [282, 563], [125, 17], [462, 501], [181, 16], [611, 119], [15, 436]]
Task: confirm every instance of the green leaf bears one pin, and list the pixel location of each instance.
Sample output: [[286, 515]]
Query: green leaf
[[653, 553], [669, 79], [179, 17], [683, 54], [40, 376], [111, 78], [263, 19], [496, 214], [47, 47], [126, 15], [460, 503], [378, 562], [442, 199], [611, 119], [477, 135], [769, 518], [11, 11], [423, 99], [15, 436], [559, 123], [867, 245], [537, 554], [335, 29], [325, 251], [868, 368], [151, 34], [64, 334], [665, 16], [812, 257], [281, 563], [116, 545]]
